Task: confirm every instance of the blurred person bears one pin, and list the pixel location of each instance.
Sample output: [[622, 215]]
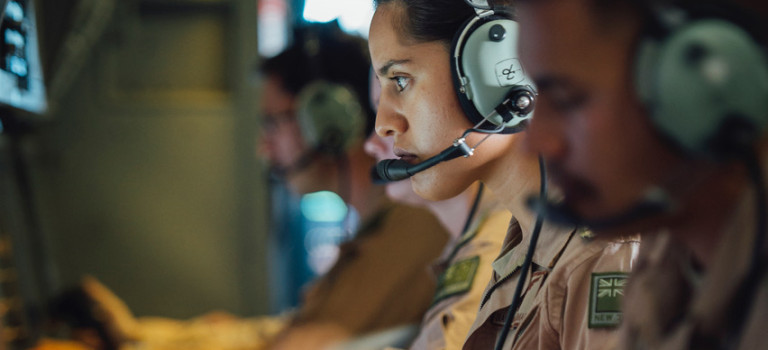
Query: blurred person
[[651, 117], [316, 114], [441, 98], [91, 316], [315, 119]]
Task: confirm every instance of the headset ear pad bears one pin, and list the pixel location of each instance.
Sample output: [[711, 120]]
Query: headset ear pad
[[330, 117], [705, 86], [485, 69]]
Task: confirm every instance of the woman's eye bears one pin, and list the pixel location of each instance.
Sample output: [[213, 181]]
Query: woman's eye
[[400, 82]]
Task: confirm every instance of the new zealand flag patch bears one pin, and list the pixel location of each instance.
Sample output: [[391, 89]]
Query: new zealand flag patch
[[605, 295]]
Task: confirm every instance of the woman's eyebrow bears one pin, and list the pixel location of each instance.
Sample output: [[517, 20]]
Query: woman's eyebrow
[[386, 67]]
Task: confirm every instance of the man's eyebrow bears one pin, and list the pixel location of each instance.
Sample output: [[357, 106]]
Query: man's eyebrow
[[385, 68], [548, 82]]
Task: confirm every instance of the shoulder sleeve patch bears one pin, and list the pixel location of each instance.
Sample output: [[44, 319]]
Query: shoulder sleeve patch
[[605, 294], [457, 278]]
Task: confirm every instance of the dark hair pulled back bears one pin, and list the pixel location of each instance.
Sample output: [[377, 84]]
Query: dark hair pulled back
[[431, 20]]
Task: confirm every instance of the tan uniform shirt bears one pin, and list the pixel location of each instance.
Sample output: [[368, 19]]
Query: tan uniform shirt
[[671, 304], [463, 274], [571, 295], [382, 278]]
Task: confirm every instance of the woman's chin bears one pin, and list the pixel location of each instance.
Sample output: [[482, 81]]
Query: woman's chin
[[402, 192], [432, 188]]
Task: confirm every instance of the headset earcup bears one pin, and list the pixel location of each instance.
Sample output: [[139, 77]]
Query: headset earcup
[[330, 116], [485, 68], [700, 82]]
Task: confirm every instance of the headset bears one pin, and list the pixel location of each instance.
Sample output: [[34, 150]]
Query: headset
[[331, 120], [487, 75], [330, 117], [703, 77], [492, 88]]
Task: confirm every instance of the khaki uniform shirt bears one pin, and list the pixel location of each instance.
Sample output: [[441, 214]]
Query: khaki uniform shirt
[[382, 278], [461, 284], [671, 304], [571, 295]]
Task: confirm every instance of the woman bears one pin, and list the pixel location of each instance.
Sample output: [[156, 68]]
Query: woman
[[410, 42]]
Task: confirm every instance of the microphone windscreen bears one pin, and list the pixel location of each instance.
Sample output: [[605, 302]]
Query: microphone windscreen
[[389, 170], [375, 177], [393, 170]]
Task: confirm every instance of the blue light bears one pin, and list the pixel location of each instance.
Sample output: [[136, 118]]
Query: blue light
[[14, 11], [14, 38], [18, 66], [354, 15], [323, 206]]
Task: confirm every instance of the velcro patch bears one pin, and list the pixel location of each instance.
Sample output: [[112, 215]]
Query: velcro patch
[[457, 278], [605, 295]]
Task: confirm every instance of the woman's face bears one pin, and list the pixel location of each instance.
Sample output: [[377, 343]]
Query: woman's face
[[419, 109]]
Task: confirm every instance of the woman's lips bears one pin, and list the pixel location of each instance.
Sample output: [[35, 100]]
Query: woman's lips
[[406, 156]]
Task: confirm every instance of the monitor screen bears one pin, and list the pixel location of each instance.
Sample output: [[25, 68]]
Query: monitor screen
[[21, 76]]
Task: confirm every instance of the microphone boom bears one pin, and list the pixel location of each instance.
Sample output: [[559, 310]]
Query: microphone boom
[[390, 170]]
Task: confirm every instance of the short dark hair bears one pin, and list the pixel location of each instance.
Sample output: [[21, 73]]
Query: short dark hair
[[322, 51], [431, 20]]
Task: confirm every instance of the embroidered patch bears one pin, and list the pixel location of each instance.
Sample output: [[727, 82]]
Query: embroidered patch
[[456, 279], [605, 295]]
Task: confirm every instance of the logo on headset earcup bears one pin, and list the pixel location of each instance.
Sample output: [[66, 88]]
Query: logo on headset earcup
[[705, 85], [330, 117], [487, 73]]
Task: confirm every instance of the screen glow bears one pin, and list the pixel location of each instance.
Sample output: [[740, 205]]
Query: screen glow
[[323, 206], [354, 15]]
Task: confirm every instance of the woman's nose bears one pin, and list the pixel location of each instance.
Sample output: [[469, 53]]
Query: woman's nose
[[389, 121]]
